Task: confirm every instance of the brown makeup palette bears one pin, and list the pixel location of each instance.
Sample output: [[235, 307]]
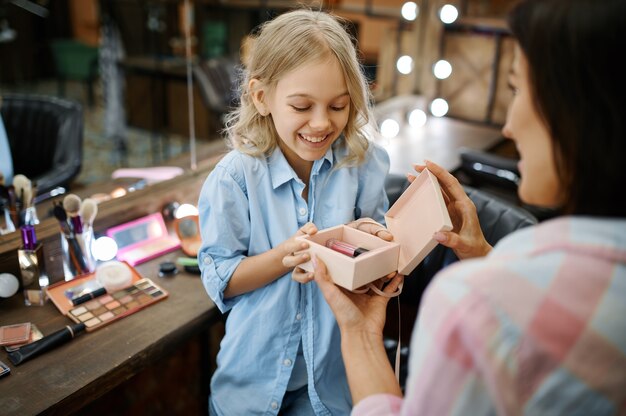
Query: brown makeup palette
[[110, 307]]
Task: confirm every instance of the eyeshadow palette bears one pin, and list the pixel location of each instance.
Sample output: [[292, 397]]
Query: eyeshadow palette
[[108, 308], [64, 292]]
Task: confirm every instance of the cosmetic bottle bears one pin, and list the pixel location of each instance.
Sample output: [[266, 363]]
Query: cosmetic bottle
[[34, 279]]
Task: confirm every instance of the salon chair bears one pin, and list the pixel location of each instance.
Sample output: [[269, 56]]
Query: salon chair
[[496, 175], [45, 137], [497, 217]]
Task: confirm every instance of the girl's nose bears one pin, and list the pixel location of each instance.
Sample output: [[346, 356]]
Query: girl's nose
[[320, 121]]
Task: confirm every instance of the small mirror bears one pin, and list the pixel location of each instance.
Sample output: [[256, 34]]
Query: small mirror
[[188, 231]]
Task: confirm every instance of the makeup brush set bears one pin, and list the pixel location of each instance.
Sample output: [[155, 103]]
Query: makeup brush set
[[76, 219], [17, 208]]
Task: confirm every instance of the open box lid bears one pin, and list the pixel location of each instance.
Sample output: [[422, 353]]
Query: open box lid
[[415, 217]]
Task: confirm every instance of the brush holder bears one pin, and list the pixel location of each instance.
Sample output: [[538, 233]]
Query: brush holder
[[77, 253]]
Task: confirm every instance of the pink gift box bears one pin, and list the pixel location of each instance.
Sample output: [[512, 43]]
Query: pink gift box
[[413, 219]]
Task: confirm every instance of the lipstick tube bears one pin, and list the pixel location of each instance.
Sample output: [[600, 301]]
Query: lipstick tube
[[345, 248]]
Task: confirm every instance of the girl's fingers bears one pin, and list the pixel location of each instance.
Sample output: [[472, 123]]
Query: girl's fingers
[[301, 275]]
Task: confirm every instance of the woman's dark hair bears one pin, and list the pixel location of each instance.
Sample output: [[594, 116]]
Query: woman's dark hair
[[573, 49]]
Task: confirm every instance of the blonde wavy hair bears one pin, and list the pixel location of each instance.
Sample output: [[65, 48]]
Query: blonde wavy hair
[[283, 44]]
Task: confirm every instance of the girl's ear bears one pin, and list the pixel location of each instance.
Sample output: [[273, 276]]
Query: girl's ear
[[257, 92]]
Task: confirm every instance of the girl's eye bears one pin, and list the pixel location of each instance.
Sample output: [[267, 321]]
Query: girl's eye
[[338, 108], [300, 109], [513, 88]]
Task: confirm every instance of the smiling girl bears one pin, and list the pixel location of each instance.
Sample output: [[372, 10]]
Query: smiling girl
[[301, 160]]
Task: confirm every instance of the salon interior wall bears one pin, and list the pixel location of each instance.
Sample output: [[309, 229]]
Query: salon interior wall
[[426, 41]]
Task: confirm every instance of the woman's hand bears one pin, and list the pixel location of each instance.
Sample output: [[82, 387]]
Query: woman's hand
[[293, 256], [355, 312], [466, 238]]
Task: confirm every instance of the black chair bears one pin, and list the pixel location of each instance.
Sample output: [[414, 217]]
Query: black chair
[[45, 136], [496, 175], [216, 79], [497, 217]]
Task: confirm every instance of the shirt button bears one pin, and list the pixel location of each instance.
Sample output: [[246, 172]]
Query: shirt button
[[302, 211], [274, 405], [287, 362], [298, 316], [207, 260]]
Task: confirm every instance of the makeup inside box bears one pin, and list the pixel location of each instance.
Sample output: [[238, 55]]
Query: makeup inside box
[[413, 219]]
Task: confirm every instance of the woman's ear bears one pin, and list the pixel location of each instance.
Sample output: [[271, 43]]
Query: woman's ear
[[257, 92]]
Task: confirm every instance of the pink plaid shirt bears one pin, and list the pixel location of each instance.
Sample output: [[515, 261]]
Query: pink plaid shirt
[[538, 327]]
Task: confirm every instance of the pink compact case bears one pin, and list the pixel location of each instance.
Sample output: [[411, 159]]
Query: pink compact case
[[143, 239]]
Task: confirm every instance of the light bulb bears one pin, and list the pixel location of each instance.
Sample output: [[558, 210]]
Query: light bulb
[[448, 14], [417, 118], [410, 10], [389, 128], [442, 69], [405, 64], [104, 248], [185, 210], [439, 107]]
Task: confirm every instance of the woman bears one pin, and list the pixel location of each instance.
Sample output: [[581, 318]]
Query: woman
[[537, 326]]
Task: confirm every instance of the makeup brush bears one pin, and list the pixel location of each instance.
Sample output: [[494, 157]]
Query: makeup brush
[[21, 184], [60, 214], [88, 211], [71, 204], [73, 248]]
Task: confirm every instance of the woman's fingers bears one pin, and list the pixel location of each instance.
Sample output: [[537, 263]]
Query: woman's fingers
[[301, 275], [394, 284], [448, 182]]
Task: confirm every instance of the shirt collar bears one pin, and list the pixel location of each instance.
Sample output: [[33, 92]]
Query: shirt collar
[[282, 172]]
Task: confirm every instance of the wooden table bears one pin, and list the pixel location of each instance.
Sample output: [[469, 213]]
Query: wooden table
[[67, 378], [439, 140]]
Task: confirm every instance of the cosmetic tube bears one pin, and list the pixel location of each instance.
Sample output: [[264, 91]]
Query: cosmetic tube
[[345, 248], [88, 296], [45, 344]]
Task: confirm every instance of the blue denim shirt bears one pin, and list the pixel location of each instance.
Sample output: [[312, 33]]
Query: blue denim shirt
[[247, 206]]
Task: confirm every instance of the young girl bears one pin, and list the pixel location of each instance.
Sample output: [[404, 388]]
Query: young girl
[[300, 162]]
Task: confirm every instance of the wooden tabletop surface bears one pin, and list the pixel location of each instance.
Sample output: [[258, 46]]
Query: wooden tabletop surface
[[65, 379]]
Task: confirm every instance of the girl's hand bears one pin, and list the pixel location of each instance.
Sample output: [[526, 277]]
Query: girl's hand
[[293, 256], [355, 312], [466, 238], [370, 226]]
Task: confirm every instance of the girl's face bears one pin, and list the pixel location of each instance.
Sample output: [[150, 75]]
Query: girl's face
[[310, 107], [539, 185]]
